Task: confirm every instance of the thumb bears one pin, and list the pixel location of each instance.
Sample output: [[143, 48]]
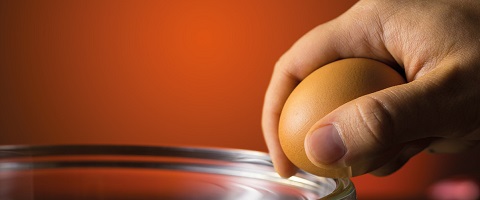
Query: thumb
[[435, 105]]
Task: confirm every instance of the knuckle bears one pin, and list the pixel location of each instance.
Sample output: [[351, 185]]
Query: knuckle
[[376, 122], [288, 66]]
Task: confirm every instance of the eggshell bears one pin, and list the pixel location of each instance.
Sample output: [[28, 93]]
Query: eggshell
[[320, 93]]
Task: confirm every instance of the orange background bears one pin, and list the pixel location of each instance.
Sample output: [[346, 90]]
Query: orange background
[[157, 72]]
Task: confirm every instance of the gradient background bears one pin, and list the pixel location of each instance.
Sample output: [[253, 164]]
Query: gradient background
[[158, 73]]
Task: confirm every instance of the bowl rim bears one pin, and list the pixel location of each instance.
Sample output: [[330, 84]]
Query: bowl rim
[[344, 188]]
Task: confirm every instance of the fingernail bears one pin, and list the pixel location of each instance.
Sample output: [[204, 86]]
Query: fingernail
[[324, 145]]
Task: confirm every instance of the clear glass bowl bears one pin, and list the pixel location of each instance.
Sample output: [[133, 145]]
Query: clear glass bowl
[[153, 172]]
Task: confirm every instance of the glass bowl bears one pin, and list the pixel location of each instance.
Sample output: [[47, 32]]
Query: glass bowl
[[153, 172]]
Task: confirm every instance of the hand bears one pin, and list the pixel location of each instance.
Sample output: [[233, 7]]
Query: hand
[[435, 43]]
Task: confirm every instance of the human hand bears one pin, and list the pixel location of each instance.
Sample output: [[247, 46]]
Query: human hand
[[435, 43]]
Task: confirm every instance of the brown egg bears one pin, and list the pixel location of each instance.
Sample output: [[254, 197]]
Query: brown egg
[[320, 93]]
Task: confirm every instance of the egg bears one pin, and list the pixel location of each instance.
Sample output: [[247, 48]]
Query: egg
[[320, 93]]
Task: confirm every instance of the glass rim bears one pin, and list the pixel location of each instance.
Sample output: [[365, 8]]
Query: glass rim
[[344, 188]]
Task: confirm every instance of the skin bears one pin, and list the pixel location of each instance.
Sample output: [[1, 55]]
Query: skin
[[436, 44]]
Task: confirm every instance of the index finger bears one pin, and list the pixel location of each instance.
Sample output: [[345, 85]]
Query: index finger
[[313, 50]]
